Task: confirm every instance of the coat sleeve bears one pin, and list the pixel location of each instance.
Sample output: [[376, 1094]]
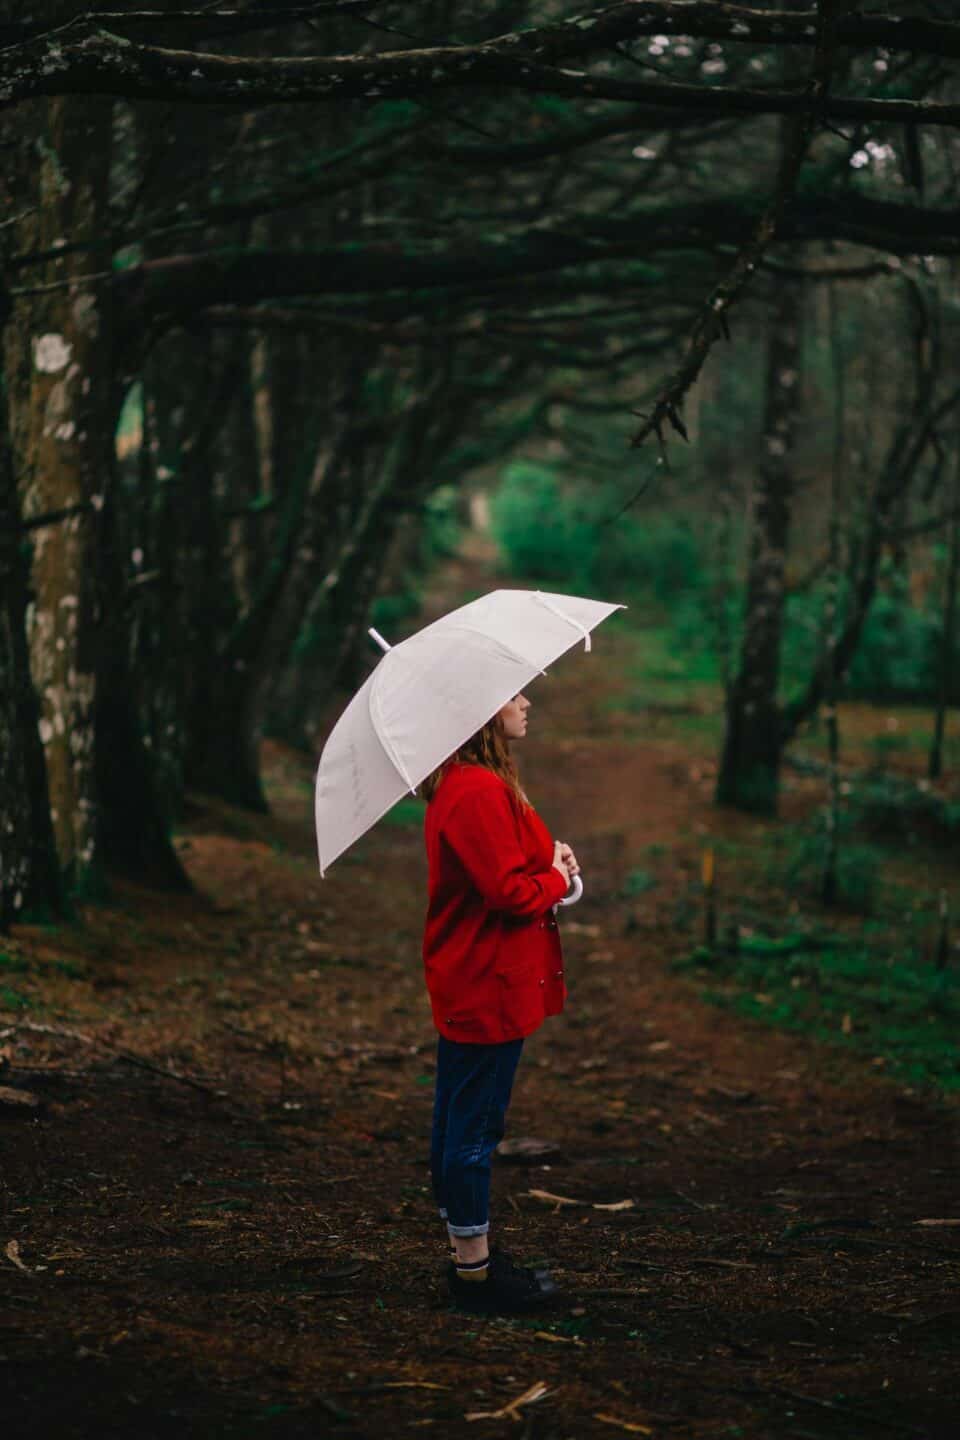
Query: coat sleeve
[[481, 829]]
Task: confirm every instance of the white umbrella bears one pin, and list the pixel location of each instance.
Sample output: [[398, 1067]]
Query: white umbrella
[[432, 692]]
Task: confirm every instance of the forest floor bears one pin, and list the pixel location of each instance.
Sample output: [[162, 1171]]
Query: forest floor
[[218, 1222]]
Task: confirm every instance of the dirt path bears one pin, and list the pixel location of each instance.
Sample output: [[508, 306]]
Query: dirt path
[[255, 1253]]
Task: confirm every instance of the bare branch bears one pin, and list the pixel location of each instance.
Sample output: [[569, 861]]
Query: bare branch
[[713, 319], [205, 24], [100, 62]]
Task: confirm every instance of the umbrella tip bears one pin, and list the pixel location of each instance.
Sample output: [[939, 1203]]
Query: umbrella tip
[[384, 645]]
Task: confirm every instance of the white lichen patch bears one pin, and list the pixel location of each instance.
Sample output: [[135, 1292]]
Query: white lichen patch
[[51, 353]]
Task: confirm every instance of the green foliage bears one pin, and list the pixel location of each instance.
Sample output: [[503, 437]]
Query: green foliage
[[542, 533], [897, 655], [20, 965], [551, 529], [891, 1006], [899, 810], [438, 536], [798, 856], [387, 611], [12, 999], [441, 523], [638, 882], [406, 814]]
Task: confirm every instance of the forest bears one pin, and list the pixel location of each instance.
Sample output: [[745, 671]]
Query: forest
[[322, 316]]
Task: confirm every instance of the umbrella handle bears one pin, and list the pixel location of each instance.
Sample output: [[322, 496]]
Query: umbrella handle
[[574, 892]]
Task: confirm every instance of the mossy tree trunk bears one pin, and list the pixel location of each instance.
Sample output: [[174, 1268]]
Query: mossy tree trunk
[[59, 352]]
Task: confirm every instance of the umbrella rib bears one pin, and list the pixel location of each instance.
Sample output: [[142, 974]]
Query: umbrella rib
[[386, 746], [562, 615]]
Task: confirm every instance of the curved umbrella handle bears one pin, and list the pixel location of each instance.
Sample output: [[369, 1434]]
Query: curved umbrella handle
[[574, 892]]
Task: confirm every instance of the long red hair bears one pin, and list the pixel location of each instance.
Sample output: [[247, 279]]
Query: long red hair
[[487, 747]]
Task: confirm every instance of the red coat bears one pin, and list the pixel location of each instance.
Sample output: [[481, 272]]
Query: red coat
[[491, 947]]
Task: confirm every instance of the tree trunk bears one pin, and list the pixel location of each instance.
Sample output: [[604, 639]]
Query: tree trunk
[[30, 880], [829, 886], [134, 824], [948, 638], [222, 753], [750, 764], [59, 346]]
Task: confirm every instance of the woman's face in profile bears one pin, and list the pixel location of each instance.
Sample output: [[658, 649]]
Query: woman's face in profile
[[513, 717]]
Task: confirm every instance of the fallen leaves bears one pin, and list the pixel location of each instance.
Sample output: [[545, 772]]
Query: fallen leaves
[[511, 1411]]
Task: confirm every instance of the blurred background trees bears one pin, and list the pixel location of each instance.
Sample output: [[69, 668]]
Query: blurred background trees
[[258, 355]]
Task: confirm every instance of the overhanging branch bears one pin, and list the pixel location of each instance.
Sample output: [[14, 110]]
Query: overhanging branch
[[170, 291], [713, 319], [101, 62]]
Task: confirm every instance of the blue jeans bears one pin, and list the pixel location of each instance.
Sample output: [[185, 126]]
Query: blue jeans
[[469, 1113]]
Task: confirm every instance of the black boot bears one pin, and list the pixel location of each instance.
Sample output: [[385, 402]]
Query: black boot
[[509, 1289]]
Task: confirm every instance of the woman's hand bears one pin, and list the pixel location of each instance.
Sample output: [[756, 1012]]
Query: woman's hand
[[570, 860], [564, 860]]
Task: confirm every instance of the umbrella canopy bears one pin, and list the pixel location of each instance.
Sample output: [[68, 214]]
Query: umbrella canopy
[[432, 692]]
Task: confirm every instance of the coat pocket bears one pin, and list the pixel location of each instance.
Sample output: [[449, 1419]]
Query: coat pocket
[[470, 1024], [522, 1000]]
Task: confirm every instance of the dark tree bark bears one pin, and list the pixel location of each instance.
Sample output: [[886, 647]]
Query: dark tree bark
[[737, 24], [948, 638], [831, 619], [30, 878], [170, 291], [913, 437], [134, 823], [58, 349], [100, 63], [748, 776], [221, 751]]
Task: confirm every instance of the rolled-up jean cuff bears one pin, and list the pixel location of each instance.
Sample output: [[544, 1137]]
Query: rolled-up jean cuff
[[465, 1232]]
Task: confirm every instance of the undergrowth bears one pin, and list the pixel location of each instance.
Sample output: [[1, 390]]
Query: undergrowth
[[894, 1006]]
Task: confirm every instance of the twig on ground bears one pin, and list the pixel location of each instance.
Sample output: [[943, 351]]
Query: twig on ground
[[511, 1410], [68, 1033]]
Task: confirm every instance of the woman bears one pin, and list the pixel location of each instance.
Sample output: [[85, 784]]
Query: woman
[[494, 972]]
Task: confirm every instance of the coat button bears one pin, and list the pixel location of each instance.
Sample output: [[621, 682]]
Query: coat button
[[558, 975], [542, 982]]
